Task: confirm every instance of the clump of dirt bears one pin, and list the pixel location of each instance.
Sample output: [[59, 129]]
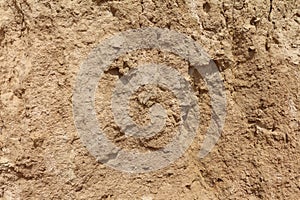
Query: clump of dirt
[[254, 44]]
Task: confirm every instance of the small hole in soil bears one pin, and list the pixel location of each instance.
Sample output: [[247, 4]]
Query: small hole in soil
[[206, 7]]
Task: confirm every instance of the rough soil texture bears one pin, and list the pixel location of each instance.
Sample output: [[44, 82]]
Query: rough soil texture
[[256, 45]]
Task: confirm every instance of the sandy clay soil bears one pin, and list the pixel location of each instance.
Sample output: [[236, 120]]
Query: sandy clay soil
[[256, 46]]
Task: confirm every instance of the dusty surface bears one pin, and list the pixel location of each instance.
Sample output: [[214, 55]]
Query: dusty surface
[[256, 46]]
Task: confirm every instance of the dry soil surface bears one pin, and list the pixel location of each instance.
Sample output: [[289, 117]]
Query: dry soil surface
[[256, 45]]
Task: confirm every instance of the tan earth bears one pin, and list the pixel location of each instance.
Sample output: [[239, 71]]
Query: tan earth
[[255, 44]]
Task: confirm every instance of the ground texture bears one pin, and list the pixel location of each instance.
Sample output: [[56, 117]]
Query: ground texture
[[256, 45]]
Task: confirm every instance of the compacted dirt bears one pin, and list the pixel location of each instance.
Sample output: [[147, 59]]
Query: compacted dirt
[[256, 46]]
